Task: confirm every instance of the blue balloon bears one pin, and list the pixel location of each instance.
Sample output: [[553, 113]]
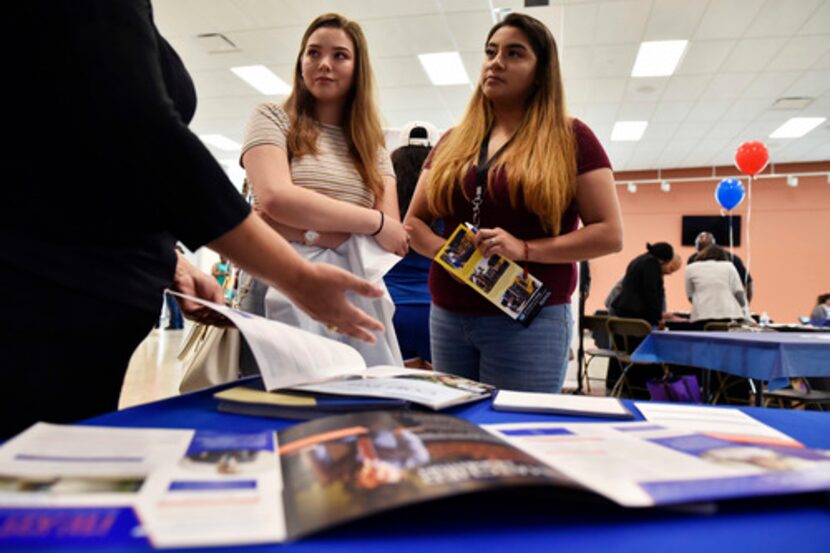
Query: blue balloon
[[729, 193]]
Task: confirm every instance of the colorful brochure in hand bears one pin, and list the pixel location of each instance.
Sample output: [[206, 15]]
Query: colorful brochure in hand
[[497, 278]]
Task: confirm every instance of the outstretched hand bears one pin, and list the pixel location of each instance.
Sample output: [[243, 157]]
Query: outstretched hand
[[321, 293]]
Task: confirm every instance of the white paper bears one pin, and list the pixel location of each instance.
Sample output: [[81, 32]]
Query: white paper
[[711, 420], [562, 403], [630, 462], [430, 388], [288, 356], [181, 500]]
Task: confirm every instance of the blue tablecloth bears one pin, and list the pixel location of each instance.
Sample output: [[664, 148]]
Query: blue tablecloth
[[770, 356], [537, 520]]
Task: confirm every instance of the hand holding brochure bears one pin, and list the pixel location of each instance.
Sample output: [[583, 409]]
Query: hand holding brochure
[[290, 358], [497, 278]]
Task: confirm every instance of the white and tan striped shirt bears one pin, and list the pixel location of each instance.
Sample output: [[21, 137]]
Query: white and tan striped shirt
[[331, 171]]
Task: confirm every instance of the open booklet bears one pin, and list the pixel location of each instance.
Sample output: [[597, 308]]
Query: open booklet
[[293, 359], [201, 488], [497, 278]]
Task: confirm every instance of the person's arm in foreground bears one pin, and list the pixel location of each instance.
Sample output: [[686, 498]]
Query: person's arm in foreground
[[317, 288]]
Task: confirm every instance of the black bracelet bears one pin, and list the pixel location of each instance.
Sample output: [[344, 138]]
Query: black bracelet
[[380, 228]]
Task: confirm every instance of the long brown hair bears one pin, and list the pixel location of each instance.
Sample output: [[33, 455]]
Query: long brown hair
[[361, 124], [541, 158]]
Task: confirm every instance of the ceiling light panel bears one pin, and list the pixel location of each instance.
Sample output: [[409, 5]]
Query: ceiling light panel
[[444, 68], [262, 79], [658, 58], [628, 131], [797, 127]]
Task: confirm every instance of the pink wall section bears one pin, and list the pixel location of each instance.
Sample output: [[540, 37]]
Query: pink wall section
[[788, 251]]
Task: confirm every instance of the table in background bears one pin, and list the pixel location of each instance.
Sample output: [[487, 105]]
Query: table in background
[[773, 357]]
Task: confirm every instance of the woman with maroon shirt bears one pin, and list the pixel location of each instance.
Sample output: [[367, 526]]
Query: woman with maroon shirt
[[546, 173]]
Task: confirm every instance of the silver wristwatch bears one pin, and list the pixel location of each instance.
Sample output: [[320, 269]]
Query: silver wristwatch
[[310, 237]]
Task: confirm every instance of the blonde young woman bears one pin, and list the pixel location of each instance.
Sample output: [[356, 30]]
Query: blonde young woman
[[318, 168], [547, 173]]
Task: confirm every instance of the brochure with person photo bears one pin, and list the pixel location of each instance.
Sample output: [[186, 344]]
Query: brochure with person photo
[[203, 488], [497, 278]]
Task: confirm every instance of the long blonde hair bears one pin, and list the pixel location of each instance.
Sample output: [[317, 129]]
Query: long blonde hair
[[541, 158], [361, 124]]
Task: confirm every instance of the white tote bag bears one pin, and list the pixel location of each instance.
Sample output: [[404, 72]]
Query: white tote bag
[[363, 257]]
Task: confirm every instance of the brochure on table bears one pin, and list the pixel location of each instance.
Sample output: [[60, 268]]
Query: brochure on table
[[290, 358], [206, 488], [500, 280]]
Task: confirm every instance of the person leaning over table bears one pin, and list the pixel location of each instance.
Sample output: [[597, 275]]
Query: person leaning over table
[[705, 239], [121, 110], [317, 164], [714, 288], [548, 172]]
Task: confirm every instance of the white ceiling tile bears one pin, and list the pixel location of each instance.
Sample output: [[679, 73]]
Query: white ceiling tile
[[648, 89], [455, 98], [469, 30], [621, 22], [664, 23], [658, 133], [753, 54], [636, 111], [273, 45], [577, 62], [272, 13], [693, 130], [710, 110], [601, 114], [196, 59], [671, 112], [770, 85], [686, 87], [704, 57], [420, 97], [727, 18], [614, 61], [726, 86], [579, 90], [812, 84], [441, 118], [608, 90], [725, 130], [801, 53], [746, 110], [779, 18], [401, 71], [579, 23], [818, 22], [461, 5], [823, 63]]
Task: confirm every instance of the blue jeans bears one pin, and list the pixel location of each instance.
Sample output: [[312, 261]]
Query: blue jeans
[[499, 351]]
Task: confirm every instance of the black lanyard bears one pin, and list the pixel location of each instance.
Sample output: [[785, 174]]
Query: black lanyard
[[482, 168]]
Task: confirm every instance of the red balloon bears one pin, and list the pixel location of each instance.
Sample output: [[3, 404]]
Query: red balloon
[[751, 157]]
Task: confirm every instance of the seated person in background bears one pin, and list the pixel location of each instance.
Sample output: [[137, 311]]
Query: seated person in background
[[407, 281], [821, 312], [714, 288], [705, 239]]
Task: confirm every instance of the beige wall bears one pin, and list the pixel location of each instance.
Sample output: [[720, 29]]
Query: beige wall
[[788, 252]]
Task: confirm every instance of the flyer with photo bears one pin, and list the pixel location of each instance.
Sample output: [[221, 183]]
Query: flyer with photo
[[497, 278]]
